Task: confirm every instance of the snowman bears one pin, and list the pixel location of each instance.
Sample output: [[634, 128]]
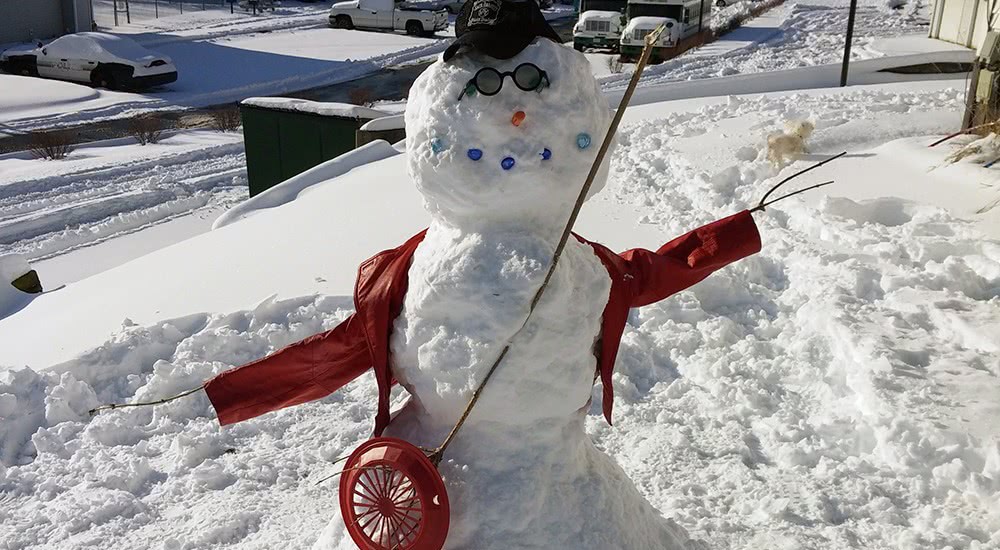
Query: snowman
[[501, 133]]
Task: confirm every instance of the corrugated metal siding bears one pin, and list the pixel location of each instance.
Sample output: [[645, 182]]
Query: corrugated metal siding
[[22, 20]]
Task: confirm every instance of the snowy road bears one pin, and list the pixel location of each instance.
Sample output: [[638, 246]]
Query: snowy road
[[106, 190]]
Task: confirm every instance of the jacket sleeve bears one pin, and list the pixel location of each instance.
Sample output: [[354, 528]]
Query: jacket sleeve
[[689, 258], [304, 371]]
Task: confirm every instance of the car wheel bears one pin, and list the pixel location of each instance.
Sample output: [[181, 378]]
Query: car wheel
[[343, 22], [578, 47], [414, 28], [720, 3], [102, 78]]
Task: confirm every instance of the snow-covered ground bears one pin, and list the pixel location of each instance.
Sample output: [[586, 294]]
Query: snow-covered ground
[[218, 70], [795, 34], [838, 390], [835, 391], [223, 58]]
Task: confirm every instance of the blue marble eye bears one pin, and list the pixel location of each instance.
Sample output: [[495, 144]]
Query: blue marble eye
[[507, 163], [583, 140], [437, 145], [546, 154], [475, 154]]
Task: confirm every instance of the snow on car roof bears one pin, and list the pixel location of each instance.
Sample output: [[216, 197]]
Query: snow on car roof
[[99, 46]]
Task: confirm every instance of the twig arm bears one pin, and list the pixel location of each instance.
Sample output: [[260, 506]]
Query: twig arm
[[112, 406]]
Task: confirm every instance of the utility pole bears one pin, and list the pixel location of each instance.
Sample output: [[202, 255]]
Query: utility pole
[[847, 44]]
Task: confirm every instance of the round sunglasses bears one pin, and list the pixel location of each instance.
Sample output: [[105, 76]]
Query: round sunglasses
[[489, 81]]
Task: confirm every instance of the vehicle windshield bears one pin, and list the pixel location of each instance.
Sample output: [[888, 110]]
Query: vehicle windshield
[[602, 5], [655, 10]]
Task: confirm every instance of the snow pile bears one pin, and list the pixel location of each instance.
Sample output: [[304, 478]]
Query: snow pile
[[291, 188], [12, 266], [345, 110]]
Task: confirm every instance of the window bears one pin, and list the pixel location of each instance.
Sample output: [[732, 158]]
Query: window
[[687, 16]]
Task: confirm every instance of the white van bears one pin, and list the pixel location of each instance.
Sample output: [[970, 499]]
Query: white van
[[598, 29]]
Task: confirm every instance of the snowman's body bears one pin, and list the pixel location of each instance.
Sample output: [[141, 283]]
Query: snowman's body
[[522, 473]]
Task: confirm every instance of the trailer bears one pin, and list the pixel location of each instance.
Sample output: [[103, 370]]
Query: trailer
[[686, 21]]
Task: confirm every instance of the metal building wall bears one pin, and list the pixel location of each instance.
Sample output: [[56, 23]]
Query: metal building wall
[[23, 20]]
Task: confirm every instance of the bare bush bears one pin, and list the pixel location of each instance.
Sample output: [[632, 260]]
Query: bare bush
[[226, 120], [361, 96], [50, 145], [147, 129], [615, 64]]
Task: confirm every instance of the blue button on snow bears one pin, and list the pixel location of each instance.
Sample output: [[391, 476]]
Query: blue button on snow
[[583, 140], [437, 145], [507, 163], [475, 154], [546, 154]]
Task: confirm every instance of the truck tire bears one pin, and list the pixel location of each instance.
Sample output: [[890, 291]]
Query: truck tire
[[721, 3], [578, 47], [343, 22], [414, 27]]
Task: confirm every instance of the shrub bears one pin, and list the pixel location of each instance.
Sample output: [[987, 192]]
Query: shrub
[[147, 129], [615, 64], [361, 96], [226, 120], [50, 145]]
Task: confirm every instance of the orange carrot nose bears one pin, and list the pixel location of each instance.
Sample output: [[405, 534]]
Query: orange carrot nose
[[518, 118]]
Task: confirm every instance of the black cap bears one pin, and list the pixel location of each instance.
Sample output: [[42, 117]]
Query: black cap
[[499, 28]]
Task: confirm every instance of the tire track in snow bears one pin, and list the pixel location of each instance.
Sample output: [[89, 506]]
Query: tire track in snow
[[49, 216]]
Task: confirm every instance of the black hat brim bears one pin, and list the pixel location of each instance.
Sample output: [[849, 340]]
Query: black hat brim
[[494, 44]]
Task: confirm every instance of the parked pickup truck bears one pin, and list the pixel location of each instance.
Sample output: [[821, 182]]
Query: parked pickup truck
[[387, 14]]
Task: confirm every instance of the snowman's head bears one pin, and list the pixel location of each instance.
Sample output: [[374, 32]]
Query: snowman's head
[[515, 156]]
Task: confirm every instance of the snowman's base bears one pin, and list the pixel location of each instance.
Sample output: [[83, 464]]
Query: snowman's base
[[509, 490]]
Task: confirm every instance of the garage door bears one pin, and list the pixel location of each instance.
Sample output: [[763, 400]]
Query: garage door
[[24, 20]]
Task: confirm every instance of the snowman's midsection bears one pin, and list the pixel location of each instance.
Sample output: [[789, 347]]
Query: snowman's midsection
[[453, 327]]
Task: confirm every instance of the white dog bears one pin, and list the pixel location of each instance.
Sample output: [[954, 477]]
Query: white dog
[[782, 147]]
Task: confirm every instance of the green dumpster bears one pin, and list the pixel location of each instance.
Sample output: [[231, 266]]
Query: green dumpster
[[284, 136]]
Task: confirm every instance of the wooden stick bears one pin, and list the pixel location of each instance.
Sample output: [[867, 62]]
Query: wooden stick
[[762, 206], [609, 136]]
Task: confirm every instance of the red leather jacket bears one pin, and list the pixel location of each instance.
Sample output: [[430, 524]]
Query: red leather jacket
[[321, 364]]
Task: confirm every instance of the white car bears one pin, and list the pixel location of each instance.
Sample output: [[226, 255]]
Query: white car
[[387, 14], [101, 59]]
